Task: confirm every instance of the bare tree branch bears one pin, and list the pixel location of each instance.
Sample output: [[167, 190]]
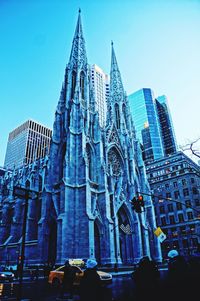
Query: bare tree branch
[[193, 147]]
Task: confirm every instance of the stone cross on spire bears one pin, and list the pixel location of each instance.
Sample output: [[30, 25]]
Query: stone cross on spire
[[78, 57], [116, 86]]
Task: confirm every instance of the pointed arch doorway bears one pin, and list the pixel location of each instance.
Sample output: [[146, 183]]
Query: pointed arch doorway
[[52, 242], [97, 245], [125, 237]]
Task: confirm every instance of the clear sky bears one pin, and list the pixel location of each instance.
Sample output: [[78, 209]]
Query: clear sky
[[157, 44]]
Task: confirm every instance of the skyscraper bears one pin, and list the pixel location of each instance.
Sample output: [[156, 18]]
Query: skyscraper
[[146, 123], [166, 125], [27, 143], [100, 82]]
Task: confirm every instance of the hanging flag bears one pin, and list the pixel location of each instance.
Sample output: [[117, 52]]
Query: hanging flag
[[126, 229], [160, 234], [158, 231], [162, 237]]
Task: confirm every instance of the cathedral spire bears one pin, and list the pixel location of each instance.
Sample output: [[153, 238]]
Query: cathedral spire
[[116, 86], [78, 57]]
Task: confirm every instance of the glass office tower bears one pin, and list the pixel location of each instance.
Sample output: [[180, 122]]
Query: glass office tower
[[146, 123], [166, 125]]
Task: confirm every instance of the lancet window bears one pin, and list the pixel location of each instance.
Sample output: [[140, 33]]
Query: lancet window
[[73, 85], [90, 162], [124, 113], [82, 83], [114, 162], [117, 115]]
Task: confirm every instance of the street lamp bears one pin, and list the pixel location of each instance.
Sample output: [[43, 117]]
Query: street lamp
[[23, 193]]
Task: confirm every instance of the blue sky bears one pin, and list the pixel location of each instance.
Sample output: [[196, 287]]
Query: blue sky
[[157, 44]]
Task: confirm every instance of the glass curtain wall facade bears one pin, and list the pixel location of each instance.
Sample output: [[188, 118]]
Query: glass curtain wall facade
[[146, 123], [166, 125]]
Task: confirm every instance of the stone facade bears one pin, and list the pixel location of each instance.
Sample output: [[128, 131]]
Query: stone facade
[[85, 183], [174, 181]]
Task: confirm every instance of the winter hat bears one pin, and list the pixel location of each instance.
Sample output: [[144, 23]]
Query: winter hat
[[91, 263], [172, 254]]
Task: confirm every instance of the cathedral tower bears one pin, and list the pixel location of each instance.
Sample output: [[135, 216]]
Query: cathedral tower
[[89, 178]]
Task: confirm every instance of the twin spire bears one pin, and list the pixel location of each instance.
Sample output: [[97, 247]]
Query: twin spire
[[116, 86], [78, 59]]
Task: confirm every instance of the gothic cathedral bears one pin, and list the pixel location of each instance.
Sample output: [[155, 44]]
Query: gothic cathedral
[[86, 182]]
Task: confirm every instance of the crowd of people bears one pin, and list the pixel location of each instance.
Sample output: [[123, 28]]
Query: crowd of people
[[180, 283], [90, 285]]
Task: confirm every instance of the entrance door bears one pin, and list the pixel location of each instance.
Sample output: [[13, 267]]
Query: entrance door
[[125, 237], [97, 243], [52, 242]]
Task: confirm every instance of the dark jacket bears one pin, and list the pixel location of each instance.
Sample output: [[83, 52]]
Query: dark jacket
[[178, 278], [90, 286], [69, 275], [146, 278]]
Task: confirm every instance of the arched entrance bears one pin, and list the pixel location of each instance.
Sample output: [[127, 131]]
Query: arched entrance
[[125, 237], [52, 242], [97, 247]]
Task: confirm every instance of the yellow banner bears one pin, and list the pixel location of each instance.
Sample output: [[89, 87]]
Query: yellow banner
[[158, 231]]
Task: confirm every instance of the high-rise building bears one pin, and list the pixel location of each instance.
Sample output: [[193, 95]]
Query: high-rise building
[[174, 181], [146, 123], [166, 125], [100, 82], [27, 143]]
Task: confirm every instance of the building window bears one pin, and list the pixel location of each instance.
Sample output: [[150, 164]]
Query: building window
[[179, 206], [185, 243], [190, 215], [184, 182], [188, 204], [168, 195], [175, 184], [167, 170], [180, 218], [167, 186], [194, 190], [183, 230], [176, 194], [185, 192], [197, 203], [195, 242], [82, 80], [124, 113], [73, 84], [170, 207], [171, 219], [162, 209], [163, 221], [90, 162], [192, 180], [174, 232], [117, 116], [160, 198], [192, 228]]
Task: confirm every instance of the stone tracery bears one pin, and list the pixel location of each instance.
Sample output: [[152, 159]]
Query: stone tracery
[[114, 162]]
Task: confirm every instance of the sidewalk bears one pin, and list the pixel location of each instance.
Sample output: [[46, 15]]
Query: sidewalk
[[120, 273]]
